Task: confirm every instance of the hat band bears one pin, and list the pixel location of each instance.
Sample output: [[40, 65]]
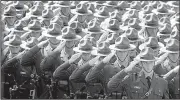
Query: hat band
[[85, 48], [69, 37], [172, 48], [122, 46], [105, 52]]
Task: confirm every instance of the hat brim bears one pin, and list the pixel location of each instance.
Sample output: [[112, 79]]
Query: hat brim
[[15, 30], [8, 44], [165, 50], [144, 25], [73, 11], [27, 29], [25, 8], [97, 15], [160, 45], [24, 46], [139, 59], [131, 47], [45, 33], [95, 52], [170, 4], [157, 12], [83, 51], [87, 31], [110, 30], [61, 38]]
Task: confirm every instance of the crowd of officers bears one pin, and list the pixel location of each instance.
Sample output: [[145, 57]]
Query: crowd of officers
[[90, 50]]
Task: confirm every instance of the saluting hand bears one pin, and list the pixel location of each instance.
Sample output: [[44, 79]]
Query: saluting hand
[[93, 61], [176, 69], [42, 44], [109, 57], [75, 58], [60, 46], [132, 67]]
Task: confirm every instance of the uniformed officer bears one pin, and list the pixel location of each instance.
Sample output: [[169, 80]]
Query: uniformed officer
[[33, 29], [81, 13], [146, 84], [98, 78], [78, 75], [51, 33]]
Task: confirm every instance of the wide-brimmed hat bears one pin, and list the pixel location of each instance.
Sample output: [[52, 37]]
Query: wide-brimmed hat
[[146, 10], [57, 20], [172, 46], [174, 35], [9, 11], [122, 5], [20, 6], [144, 3], [151, 42], [135, 5], [81, 9], [151, 20], [32, 41], [132, 35], [173, 3], [154, 4], [113, 25], [36, 11], [110, 3], [162, 9], [102, 49], [85, 46], [68, 34], [133, 23], [164, 20], [14, 40], [91, 7], [18, 26], [116, 15], [64, 3], [122, 43], [165, 30], [77, 26], [34, 25], [47, 14], [112, 37], [53, 30], [94, 27], [102, 12], [146, 54]]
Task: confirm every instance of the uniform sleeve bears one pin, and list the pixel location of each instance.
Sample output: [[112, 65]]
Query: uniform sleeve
[[159, 70], [61, 71], [166, 91], [9, 64], [78, 72], [95, 72], [30, 56], [170, 75], [118, 80]]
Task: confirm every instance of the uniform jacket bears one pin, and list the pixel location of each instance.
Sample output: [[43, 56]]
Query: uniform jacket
[[137, 87]]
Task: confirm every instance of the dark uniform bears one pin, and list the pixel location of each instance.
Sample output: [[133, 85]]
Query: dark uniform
[[137, 86]]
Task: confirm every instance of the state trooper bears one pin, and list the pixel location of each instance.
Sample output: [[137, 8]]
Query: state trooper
[[147, 84]]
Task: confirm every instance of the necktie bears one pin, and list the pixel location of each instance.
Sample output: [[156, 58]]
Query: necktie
[[122, 66], [148, 81]]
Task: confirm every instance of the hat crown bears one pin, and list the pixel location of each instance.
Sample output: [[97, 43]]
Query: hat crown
[[113, 24], [10, 11], [68, 33], [18, 5], [54, 29], [82, 8], [112, 37], [116, 15], [57, 20], [136, 5], [32, 41], [15, 40], [134, 23], [164, 20], [162, 8], [91, 7], [34, 25], [85, 44], [103, 48], [148, 9], [172, 45], [47, 13], [64, 2], [103, 11], [133, 13], [122, 42], [37, 10], [94, 26], [151, 19], [151, 42], [166, 28], [131, 33], [19, 25], [147, 53]]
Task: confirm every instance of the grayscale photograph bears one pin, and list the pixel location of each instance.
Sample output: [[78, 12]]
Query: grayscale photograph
[[89, 49]]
